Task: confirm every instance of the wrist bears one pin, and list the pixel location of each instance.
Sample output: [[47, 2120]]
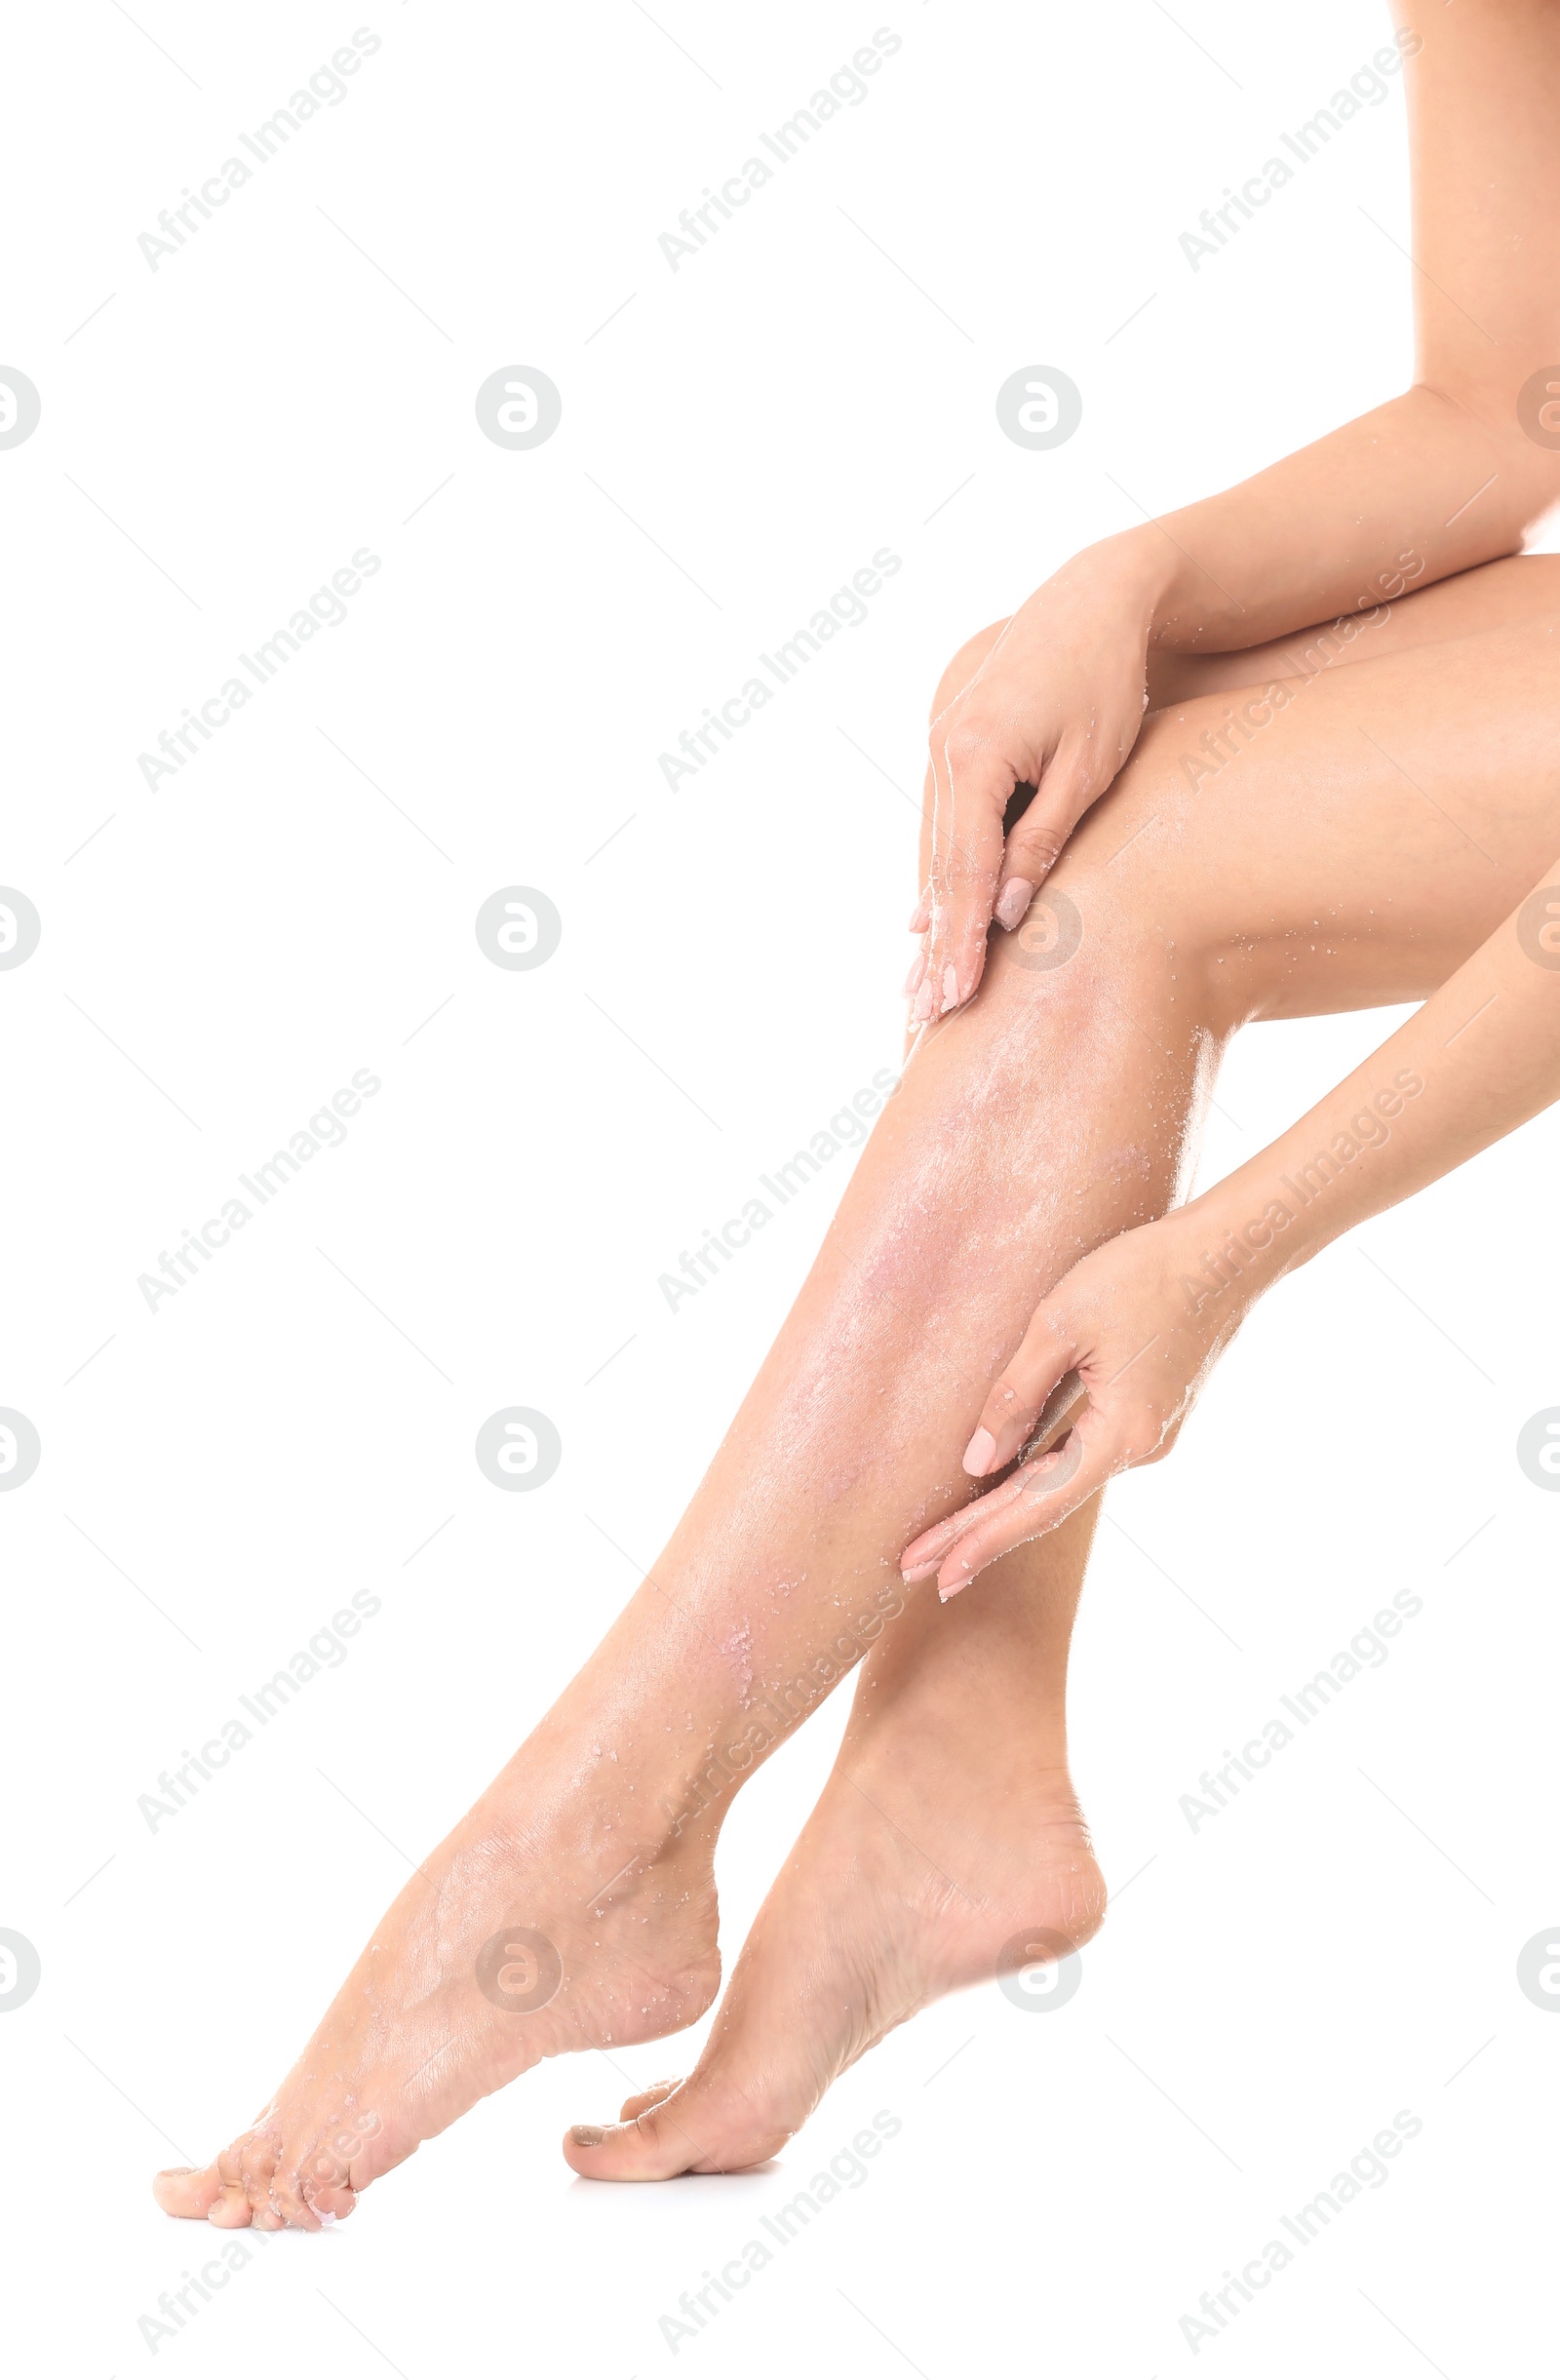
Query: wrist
[[1131, 573], [1243, 1234]]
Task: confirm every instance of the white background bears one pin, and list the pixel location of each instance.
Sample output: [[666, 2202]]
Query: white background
[[298, 903]]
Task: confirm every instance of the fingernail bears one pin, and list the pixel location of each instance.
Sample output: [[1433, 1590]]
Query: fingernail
[[164, 2171], [1013, 905], [918, 970], [925, 1002], [587, 2135], [913, 1578], [950, 987], [918, 915], [978, 1454], [946, 1594]]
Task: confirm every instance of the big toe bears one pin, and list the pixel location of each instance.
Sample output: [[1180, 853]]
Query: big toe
[[697, 2126], [187, 2190]]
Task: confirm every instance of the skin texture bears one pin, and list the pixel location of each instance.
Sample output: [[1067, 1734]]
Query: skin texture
[[1325, 863]]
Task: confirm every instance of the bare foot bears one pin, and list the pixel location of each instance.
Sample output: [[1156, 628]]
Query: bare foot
[[933, 1849], [514, 1942]]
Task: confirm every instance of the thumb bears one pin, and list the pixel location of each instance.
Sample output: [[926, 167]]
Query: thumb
[[1046, 1354], [1040, 1496]]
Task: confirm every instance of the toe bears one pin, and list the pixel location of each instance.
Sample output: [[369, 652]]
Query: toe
[[255, 2159], [231, 2210], [286, 2198], [334, 2205], [642, 2101], [187, 2190], [693, 2130]]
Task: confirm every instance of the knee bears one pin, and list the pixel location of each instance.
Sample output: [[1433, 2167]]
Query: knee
[[964, 666], [1124, 925]]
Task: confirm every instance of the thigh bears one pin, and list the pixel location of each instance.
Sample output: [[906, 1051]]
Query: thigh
[[1341, 841]]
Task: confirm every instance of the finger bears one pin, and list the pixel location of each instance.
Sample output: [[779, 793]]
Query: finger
[[972, 783], [1032, 850], [924, 1556], [1048, 1351], [1048, 1489]]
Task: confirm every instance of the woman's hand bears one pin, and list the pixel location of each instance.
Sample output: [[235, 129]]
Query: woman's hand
[[1140, 1322], [1055, 701]]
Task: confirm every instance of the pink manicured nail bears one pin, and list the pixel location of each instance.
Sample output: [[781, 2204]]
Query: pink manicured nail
[[1013, 905], [913, 1578], [586, 2135], [978, 1454], [950, 987], [946, 1594], [920, 916], [918, 970], [925, 1002]]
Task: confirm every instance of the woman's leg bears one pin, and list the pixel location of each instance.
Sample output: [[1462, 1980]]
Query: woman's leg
[[949, 1826], [1054, 1112], [1034, 1136]]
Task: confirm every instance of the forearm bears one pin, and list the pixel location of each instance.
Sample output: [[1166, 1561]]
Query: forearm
[[1419, 488], [1479, 1058]]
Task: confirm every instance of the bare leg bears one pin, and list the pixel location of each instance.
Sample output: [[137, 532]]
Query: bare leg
[[1056, 1111], [948, 1824]]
